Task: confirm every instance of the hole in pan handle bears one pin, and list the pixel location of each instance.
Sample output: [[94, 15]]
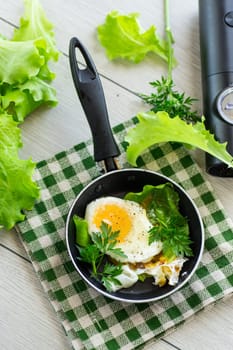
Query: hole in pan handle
[[91, 95]]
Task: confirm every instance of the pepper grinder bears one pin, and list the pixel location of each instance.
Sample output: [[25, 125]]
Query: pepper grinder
[[216, 50]]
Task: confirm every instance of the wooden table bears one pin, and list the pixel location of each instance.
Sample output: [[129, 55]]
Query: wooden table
[[27, 320]]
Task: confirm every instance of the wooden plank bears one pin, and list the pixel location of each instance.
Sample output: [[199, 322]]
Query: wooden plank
[[211, 329], [27, 319]]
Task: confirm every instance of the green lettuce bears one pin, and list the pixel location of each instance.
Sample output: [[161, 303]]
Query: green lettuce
[[17, 189], [159, 127], [160, 202], [33, 25], [25, 79], [24, 64], [20, 101], [10, 135], [19, 61], [123, 37]]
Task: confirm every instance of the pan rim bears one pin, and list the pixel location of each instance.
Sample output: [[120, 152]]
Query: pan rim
[[112, 295]]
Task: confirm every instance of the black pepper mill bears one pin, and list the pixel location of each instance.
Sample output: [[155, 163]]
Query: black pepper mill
[[216, 49]]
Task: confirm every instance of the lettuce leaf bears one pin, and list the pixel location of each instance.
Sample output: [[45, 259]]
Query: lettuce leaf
[[10, 135], [33, 25], [19, 61], [17, 189], [159, 127], [160, 202], [122, 37], [25, 98], [24, 86], [24, 71]]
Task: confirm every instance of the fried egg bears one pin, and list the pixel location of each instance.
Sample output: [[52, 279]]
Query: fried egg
[[142, 258], [130, 219]]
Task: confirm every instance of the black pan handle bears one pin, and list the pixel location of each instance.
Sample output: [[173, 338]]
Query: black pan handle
[[91, 95]]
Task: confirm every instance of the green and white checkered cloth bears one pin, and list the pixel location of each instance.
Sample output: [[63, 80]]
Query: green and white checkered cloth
[[91, 320]]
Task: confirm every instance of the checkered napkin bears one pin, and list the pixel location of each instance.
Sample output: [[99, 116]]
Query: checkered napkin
[[91, 320]]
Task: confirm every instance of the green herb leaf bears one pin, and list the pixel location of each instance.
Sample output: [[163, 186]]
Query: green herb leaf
[[174, 235], [175, 103], [93, 253], [106, 241], [90, 253], [109, 275], [143, 276], [169, 225]]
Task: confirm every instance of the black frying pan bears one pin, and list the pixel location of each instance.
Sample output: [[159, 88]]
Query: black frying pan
[[117, 183]]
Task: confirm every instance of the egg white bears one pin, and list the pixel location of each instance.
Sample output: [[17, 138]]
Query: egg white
[[135, 243], [167, 272]]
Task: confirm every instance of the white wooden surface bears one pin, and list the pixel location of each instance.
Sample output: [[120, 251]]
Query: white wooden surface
[[27, 320]]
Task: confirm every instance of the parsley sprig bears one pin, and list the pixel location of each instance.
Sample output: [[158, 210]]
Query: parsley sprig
[[173, 102], [174, 235], [170, 226], [166, 97], [103, 242]]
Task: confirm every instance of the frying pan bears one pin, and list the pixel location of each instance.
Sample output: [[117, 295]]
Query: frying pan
[[117, 182]]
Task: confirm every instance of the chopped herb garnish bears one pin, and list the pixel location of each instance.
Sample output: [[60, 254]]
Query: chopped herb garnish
[[174, 234], [103, 242], [169, 225]]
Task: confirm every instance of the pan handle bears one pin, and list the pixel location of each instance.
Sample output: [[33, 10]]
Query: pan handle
[[91, 95]]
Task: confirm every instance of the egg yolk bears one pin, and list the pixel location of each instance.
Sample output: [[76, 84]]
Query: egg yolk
[[116, 217]]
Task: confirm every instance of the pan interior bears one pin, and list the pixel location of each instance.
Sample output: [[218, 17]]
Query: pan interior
[[118, 183]]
